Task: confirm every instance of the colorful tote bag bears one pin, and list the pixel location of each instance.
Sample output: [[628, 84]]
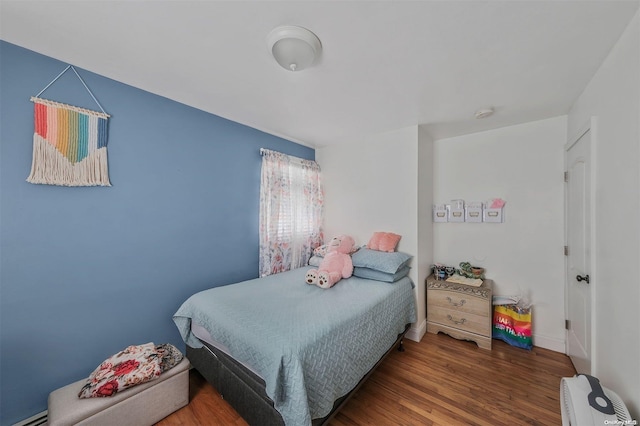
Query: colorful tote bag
[[512, 324]]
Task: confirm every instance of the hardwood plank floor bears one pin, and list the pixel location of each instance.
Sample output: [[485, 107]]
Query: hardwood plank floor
[[439, 381]]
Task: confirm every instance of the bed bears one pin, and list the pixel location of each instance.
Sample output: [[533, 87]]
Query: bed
[[281, 351]]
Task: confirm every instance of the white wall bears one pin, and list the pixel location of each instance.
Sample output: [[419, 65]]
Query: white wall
[[613, 98], [523, 165], [372, 184], [425, 225]]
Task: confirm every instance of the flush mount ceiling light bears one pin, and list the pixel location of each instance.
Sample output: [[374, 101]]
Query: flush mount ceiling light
[[294, 48], [484, 112]]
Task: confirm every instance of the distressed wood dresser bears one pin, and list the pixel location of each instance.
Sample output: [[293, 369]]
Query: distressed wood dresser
[[461, 311]]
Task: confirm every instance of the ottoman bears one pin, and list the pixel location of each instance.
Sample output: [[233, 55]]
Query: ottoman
[[139, 405]]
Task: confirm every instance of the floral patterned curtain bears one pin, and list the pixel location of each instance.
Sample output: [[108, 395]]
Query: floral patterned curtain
[[291, 206]]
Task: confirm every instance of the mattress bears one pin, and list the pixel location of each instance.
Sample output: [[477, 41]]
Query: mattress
[[202, 334], [310, 345]]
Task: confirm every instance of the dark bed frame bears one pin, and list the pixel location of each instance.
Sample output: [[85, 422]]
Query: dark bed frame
[[245, 391]]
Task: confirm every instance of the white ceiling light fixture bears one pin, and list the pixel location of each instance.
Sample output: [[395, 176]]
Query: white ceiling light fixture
[[294, 48], [484, 112]]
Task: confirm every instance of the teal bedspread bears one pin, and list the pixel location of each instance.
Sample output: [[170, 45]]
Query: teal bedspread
[[311, 346]]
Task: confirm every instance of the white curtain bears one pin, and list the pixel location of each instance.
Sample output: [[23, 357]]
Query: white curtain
[[291, 206]]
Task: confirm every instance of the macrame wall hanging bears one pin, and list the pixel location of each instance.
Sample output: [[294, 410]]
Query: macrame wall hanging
[[69, 143]]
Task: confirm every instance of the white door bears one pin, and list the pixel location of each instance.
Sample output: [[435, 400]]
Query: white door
[[578, 278]]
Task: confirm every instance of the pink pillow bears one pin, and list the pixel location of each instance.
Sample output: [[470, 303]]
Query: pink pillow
[[384, 241]]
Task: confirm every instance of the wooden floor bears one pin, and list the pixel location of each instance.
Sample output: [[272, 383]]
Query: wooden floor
[[439, 381]]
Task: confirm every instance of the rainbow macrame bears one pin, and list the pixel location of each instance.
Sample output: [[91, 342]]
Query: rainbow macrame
[[69, 145]]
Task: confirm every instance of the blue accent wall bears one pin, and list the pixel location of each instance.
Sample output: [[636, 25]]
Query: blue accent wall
[[87, 271]]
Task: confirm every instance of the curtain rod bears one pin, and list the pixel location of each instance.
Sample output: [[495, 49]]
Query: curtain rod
[[263, 151]]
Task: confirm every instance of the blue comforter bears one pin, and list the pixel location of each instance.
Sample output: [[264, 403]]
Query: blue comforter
[[311, 346]]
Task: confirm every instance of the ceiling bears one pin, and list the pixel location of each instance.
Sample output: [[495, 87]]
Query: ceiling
[[385, 64]]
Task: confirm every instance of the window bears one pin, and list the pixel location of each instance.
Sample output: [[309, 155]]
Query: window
[[291, 205]]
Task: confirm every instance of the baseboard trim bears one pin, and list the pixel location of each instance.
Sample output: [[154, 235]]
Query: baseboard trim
[[551, 343], [37, 420], [416, 333]]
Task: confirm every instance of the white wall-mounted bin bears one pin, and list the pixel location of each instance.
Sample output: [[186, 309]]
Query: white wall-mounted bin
[[455, 214], [456, 211], [473, 213], [492, 215], [440, 213]]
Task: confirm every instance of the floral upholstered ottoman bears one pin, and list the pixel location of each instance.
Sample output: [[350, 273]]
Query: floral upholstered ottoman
[[85, 402]]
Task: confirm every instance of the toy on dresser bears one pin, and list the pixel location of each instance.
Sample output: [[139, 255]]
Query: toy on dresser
[[466, 270]]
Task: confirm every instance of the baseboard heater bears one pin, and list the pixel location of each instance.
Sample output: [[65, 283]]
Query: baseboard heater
[[37, 420]]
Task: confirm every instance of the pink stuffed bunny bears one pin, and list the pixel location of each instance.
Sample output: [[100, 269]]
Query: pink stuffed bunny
[[336, 264]]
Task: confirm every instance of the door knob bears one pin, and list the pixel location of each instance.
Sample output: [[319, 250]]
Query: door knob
[[583, 278]]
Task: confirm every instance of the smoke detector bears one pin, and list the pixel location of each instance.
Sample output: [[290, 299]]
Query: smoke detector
[[484, 112]]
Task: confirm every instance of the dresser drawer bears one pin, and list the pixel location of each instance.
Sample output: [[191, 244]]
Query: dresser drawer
[[460, 320], [464, 303], [461, 311]]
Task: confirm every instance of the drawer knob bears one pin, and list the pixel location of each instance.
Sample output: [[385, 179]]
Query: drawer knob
[[462, 321], [451, 302]]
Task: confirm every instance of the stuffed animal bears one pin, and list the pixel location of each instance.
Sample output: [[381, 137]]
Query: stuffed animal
[[335, 265]]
